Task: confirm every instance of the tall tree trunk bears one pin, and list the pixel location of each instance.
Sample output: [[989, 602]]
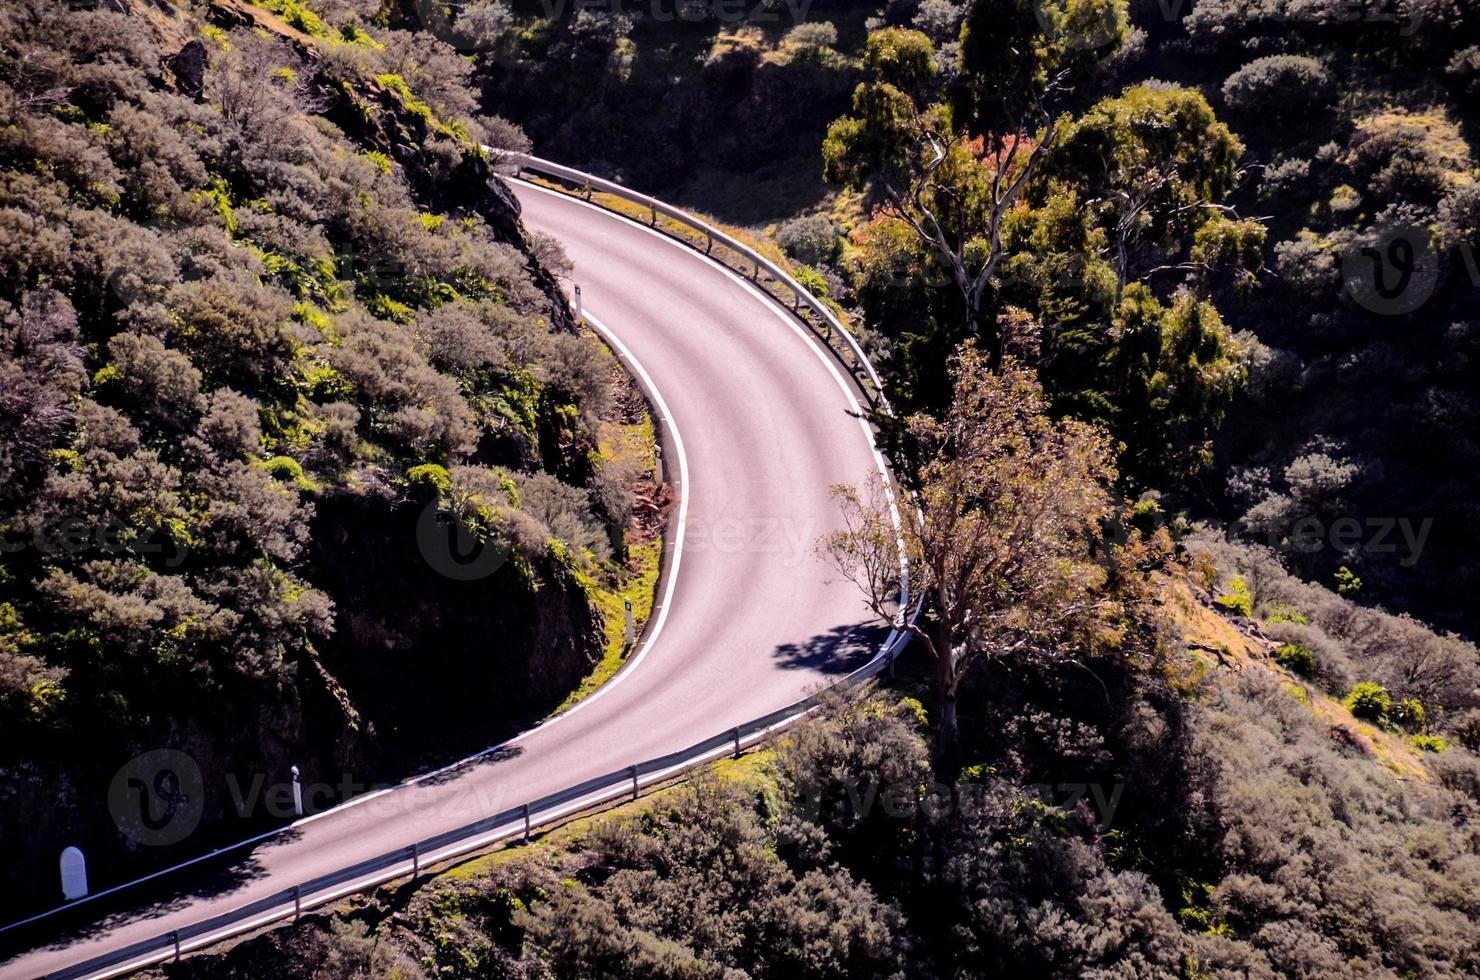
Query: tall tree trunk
[[945, 674], [984, 328], [949, 729]]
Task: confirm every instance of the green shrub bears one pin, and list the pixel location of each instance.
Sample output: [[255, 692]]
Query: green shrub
[[382, 162], [353, 34], [299, 16], [1239, 599], [1409, 713], [1297, 657], [397, 83], [284, 469], [430, 475], [1369, 700], [1283, 612], [811, 280], [1429, 743]]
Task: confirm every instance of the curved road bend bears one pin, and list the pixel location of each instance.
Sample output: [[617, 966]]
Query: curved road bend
[[763, 416]]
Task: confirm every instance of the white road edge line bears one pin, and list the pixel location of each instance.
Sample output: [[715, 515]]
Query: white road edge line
[[668, 422], [651, 635]]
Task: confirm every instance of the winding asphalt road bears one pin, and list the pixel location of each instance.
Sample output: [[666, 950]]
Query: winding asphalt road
[[759, 423]]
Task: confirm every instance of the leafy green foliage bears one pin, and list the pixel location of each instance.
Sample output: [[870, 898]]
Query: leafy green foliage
[[1116, 198], [431, 476], [1238, 599], [1429, 743], [1408, 713], [1369, 700], [1297, 657]]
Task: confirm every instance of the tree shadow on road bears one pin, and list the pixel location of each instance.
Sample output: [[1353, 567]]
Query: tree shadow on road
[[837, 651], [490, 757]]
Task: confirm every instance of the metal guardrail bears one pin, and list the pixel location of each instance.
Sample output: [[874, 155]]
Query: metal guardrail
[[802, 303], [522, 820]]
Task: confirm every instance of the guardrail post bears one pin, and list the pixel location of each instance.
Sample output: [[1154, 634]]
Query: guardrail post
[[737, 743], [708, 243], [297, 902], [633, 770], [526, 823], [415, 860], [588, 190], [177, 945]]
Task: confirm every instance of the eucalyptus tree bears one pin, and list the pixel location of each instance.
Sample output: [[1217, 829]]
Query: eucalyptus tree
[[1003, 546]]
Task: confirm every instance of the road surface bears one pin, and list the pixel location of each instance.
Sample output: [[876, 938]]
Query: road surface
[[760, 424]]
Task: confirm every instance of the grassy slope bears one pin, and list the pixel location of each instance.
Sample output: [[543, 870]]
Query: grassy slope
[[630, 442]]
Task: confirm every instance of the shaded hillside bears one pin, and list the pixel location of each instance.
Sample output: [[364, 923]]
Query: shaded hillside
[[297, 437]]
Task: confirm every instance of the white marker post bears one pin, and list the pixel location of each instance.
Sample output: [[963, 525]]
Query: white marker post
[[74, 874], [580, 310], [297, 793], [629, 631]]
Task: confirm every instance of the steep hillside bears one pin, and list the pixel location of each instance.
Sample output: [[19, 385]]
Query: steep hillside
[[299, 445], [1221, 817], [1164, 762]]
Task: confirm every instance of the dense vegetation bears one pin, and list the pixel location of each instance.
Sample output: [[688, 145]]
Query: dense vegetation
[[1220, 836], [1199, 183], [1124, 783], [1149, 750], [1146, 281], [269, 332]]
